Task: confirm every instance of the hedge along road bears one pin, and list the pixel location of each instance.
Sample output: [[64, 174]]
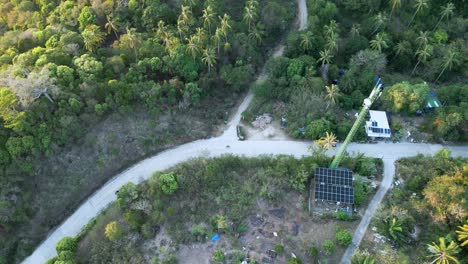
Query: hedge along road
[[228, 144]]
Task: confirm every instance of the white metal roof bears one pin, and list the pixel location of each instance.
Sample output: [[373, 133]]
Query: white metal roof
[[380, 117]]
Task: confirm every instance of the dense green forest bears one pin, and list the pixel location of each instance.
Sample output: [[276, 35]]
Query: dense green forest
[[428, 206], [196, 199], [417, 47], [65, 66]]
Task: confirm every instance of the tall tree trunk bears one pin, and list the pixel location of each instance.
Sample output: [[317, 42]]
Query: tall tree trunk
[[412, 19], [419, 61], [438, 22], [324, 71], [442, 72]]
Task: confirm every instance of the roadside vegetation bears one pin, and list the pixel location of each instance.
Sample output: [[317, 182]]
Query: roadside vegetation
[[417, 47], [88, 87], [244, 200], [424, 218]]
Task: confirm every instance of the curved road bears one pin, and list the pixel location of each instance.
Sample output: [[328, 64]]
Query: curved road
[[218, 146]]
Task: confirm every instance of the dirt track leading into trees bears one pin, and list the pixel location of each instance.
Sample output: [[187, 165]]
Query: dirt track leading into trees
[[227, 144]]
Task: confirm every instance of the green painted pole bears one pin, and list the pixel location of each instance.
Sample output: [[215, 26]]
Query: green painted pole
[[359, 121]]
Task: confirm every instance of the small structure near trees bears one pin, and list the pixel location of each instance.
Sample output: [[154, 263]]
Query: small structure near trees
[[377, 126]]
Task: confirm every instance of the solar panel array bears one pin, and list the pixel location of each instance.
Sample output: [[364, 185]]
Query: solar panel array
[[335, 185]]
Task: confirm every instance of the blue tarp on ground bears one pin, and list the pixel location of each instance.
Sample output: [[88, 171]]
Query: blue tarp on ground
[[215, 238]]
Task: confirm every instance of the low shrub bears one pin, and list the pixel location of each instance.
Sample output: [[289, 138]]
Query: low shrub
[[342, 216], [279, 249], [218, 256], [328, 247], [343, 236]]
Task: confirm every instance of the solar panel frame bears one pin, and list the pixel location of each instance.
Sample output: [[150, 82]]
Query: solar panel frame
[[334, 185]]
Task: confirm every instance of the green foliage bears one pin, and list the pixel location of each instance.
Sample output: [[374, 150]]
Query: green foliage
[[313, 252], [167, 182], [279, 249], [406, 98], [113, 231], [66, 244], [299, 180], [12, 118], [218, 256], [362, 257], [86, 18], [126, 195], [294, 261], [328, 247], [342, 215], [238, 77], [296, 67], [445, 196], [343, 236], [361, 191], [317, 129], [135, 219]]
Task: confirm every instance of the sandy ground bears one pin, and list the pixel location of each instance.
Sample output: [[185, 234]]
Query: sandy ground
[[272, 132], [286, 224]]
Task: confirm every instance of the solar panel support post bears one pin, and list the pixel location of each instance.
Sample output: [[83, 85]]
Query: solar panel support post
[[376, 92]]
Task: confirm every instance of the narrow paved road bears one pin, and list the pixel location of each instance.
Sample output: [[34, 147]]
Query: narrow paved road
[[214, 147], [389, 172]]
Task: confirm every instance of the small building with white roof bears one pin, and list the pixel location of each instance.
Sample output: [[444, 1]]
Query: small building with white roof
[[377, 126]]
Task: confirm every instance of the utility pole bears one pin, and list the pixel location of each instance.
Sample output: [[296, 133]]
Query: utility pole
[[376, 92]]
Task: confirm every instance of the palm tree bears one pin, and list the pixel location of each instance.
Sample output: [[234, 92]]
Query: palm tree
[[184, 20], [133, 40], [191, 3], [463, 234], [218, 37], [446, 12], [111, 25], [225, 25], [442, 254], [221, 223], [167, 38], [450, 58], [161, 29], [379, 20], [325, 57], [200, 35], [185, 14], [192, 46], [209, 58], [306, 41], [331, 29], [355, 30], [423, 54], [257, 34], [332, 93], [420, 5], [208, 17], [327, 142], [394, 229], [401, 47], [379, 42], [92, 37], [332, 42], [423, 38], [395, 4], [250, 13]]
